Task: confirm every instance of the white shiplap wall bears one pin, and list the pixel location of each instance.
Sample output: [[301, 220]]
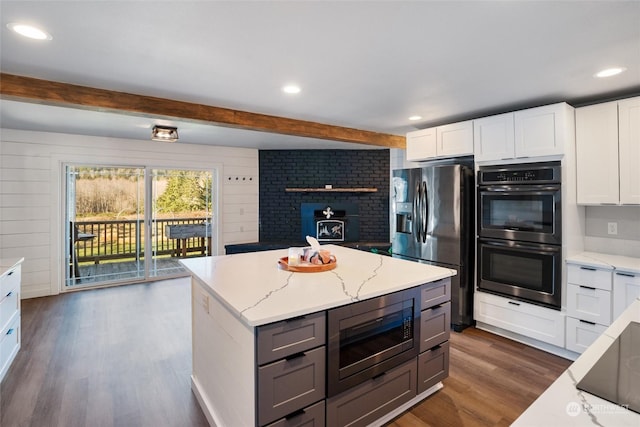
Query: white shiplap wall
[[31, 199]]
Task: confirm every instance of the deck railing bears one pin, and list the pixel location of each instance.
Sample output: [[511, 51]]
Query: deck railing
[[125, 239]]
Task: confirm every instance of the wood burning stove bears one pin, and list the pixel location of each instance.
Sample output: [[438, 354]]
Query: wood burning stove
[[331, 222]]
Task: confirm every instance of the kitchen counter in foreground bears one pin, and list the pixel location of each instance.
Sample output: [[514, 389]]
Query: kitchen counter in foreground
[[254, 289], [562, 404], [262, 346]]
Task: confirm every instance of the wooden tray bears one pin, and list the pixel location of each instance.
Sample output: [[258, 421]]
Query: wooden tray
[[283, 264]]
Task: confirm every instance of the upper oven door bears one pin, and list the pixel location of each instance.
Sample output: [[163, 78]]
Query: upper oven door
[[528, 213]]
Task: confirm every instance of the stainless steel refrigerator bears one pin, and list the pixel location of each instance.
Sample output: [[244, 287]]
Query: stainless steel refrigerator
[[432, 222]]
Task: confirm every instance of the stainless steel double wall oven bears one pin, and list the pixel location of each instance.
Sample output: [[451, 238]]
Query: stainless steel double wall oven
[[520, 232]]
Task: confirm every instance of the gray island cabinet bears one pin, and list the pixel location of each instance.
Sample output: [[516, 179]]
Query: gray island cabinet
[[260, 339]]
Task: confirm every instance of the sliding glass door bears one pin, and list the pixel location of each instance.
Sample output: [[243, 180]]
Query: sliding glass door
[[128, 224], [181, 218]]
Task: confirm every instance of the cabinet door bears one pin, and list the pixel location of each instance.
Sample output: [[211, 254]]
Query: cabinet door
[[597, 153], [581, 334], [493, 138], [455, 139], [540, 131], [366, 402], [290, 384], [435, 326], [626, 289], [433, 367], [421, 144], [629, 140], [588, 303]]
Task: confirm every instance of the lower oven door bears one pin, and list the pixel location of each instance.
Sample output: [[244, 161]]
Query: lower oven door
[[525, 271]]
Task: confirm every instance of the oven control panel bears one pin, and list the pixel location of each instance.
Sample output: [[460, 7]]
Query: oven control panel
[[530, 173]]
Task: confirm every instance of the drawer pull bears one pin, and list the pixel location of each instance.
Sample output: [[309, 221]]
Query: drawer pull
[[10, 293], [294, 414], [514, 303], [378, 376], [626, 274], [10, 273], [586, 321], [293, 319], [588, 287], [10, 331], [295, 356], [588, 268]]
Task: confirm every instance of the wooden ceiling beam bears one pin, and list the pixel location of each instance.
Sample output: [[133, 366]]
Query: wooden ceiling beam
[[63, 94]]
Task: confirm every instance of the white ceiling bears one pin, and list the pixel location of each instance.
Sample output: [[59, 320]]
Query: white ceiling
[[361, 64]]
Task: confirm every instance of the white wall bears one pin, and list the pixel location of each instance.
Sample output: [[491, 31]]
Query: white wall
[[31, 199]]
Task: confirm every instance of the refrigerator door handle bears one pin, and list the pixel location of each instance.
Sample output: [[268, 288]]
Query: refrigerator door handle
[[425, 211], [423, 207], [416, 213]]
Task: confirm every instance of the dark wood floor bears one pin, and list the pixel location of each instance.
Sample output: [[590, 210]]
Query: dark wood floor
[[122, 357]]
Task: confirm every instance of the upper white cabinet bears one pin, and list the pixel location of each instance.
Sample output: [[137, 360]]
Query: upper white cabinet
[[629, 146], [534, 132], [494, 137], [421, 144], [450, 140], [608, 153]]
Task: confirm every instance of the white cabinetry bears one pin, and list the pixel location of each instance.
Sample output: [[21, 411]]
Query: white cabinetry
[[494, 137], [534, 132], [421, 144], [589, 303], [539, 323], [629, 145], [608, 153], [450, 140], [9, 313], [626, 289]]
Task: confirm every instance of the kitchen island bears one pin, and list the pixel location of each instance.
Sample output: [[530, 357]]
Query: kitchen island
[[235, 298]]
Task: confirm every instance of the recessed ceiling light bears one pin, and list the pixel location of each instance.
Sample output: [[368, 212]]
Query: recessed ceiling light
[[291, 89], [414, 118], [29, 31], [610, 72]]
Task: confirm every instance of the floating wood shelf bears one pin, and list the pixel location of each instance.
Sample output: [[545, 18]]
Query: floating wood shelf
[[331, 190]]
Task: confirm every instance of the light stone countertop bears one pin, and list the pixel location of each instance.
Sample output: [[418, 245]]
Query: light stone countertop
[[616, 262], [255, 290], [562, 404]]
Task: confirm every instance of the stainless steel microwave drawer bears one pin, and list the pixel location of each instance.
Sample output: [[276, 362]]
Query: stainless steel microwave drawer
[[282, 339], [435, 293]]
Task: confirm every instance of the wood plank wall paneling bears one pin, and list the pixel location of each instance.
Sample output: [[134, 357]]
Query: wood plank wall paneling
[[30, 192]]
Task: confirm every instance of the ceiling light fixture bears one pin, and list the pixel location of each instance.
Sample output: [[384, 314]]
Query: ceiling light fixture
[[414, 118], [609, 72], [29, 31], [164, 133], [292, 89]]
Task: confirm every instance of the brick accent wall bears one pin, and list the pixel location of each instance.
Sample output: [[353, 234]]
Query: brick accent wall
[[280, 218]]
